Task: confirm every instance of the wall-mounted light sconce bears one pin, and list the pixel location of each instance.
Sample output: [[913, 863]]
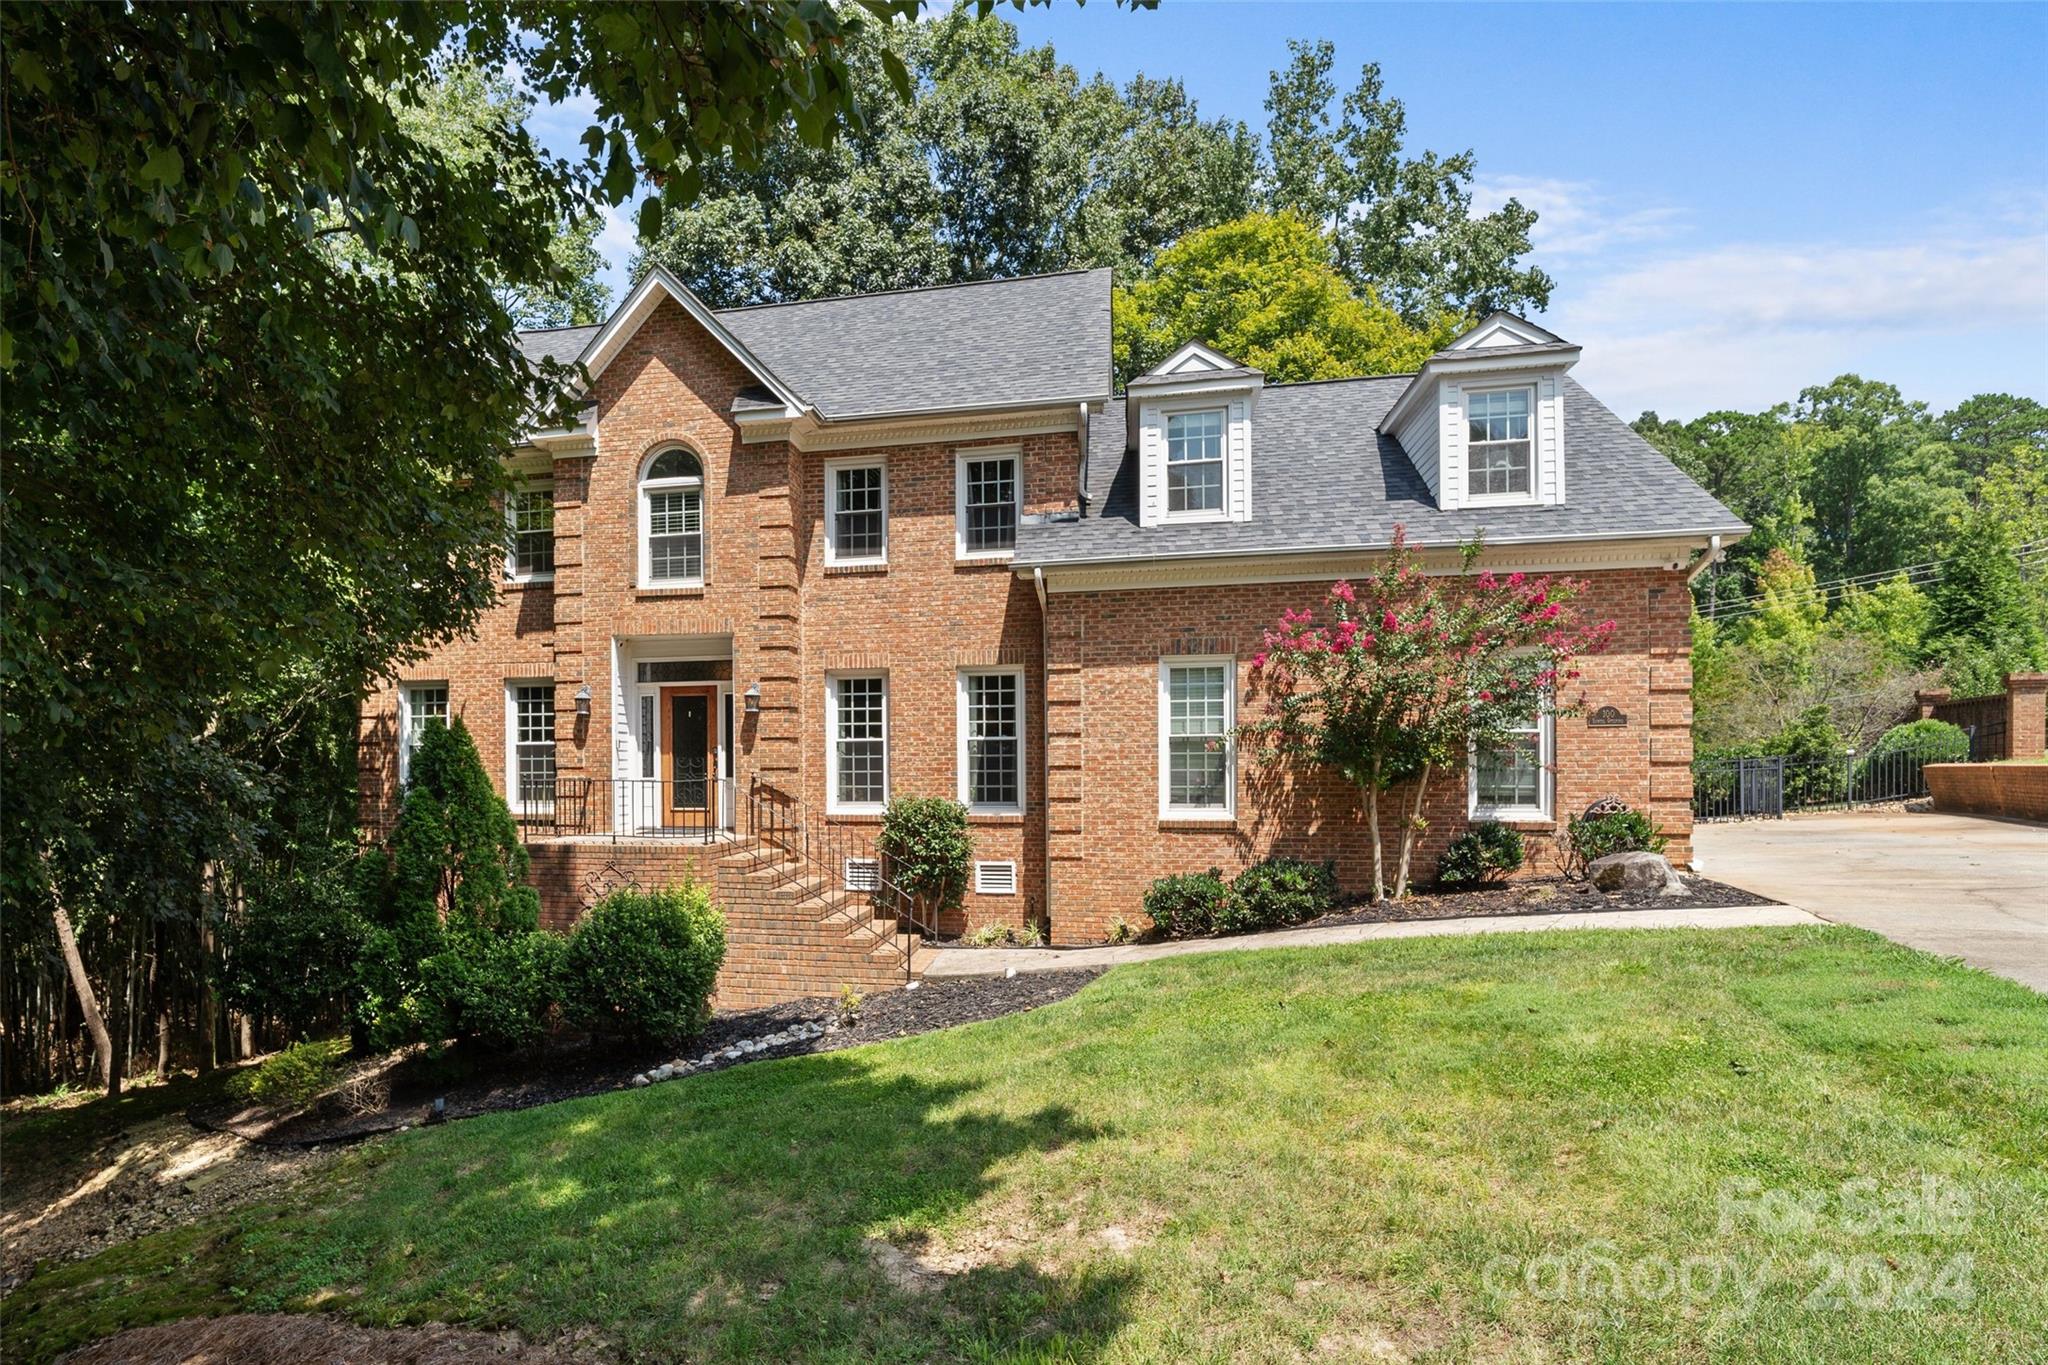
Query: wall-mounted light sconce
[[753, 700], [583, 700]]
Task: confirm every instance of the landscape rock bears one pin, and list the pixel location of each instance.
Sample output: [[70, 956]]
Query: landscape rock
[[1636, 872]]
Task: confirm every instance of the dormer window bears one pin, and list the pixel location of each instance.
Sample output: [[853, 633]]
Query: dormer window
[[1194, 462], [1500, 462]]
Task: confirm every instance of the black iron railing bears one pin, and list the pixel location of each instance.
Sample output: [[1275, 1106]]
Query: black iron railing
[[1771, 785], [692, 809], [827, 861]]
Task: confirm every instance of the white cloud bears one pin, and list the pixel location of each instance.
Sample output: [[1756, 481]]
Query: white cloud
[[1950, 312], [1574, 218]]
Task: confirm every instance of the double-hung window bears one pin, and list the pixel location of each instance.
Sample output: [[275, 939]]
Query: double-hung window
[[856, 512], [530, 528], [672, 520], [991, 730], [1194, 462], [1499, 458], [1197, 756], [419, 705], [989, 489], [530, 726], [857, 743], [1511, 781]]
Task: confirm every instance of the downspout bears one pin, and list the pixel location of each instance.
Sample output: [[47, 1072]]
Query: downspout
[[1080, 493], [1707, 560], [1045, 727]]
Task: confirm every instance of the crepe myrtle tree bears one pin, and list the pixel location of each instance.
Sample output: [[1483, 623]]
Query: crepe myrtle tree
[[1402, 673]]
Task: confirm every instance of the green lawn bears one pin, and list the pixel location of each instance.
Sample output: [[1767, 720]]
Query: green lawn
[[1515, 1147]]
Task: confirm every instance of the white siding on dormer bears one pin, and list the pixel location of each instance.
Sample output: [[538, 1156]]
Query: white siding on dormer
[[1238, 469], [1151, 466], [1549, 428], [1421, 436]]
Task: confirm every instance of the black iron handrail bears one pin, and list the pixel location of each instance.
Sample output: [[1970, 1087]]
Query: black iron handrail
[[698, 810], [777, 820]]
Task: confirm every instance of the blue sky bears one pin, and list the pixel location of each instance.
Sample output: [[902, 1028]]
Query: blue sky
[[1736, 201]]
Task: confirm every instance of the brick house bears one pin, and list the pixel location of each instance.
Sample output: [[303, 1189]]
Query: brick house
[[793, 560]]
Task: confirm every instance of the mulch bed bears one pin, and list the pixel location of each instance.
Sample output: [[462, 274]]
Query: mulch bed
[[409, 1083], [1549, 896]]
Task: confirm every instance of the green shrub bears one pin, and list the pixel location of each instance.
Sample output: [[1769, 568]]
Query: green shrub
[[290, 956], [1278, 891], [1189, 904], [640, 966], [1932, 741], [293, 1078], [1627, 831], [925, 842], [1488, 851], [495, 989]]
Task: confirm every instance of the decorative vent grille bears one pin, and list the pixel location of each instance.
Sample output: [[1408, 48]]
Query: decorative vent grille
[[863, 874], [995, 879]]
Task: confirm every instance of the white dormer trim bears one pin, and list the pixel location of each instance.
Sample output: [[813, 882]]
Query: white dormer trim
[[1429, 419], [1195, 378], [658, 284], [1192, 359]]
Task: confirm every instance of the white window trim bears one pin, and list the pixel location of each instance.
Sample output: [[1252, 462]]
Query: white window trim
[[833, 805], [512, 797], [643, 487], [1546, 786], [1530, 498], [512, 574], [1167, 413], [1228, 810], [1014, 454], [405, 723], [960, 741], [832, 468]]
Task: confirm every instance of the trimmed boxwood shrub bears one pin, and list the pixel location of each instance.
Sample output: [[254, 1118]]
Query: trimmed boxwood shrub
[[925, 842], [1190, 904], [1488, 851], [495, 989], [1281, 890], [1626, 831], [641, 965]]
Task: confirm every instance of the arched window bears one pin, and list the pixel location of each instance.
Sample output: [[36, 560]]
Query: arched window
[[672, 519]]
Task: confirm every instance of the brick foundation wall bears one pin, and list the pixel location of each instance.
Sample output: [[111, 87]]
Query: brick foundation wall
[[2017, 791], [1107, 841]]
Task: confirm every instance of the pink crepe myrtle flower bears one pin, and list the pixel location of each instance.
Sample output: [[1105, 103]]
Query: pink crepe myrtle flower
[[1487, 580], [1517, 578], [1389, 621], [1344, 592]]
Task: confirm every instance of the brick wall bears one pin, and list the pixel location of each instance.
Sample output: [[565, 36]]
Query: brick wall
[[1107, 840], [2016, 790]]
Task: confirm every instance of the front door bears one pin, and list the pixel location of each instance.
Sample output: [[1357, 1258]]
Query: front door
[[689, 744]]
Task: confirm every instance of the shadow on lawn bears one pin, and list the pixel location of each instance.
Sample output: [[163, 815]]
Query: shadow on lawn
[[737, 1215]]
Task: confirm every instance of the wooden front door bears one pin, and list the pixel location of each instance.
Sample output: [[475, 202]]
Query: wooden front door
[[689, 752]]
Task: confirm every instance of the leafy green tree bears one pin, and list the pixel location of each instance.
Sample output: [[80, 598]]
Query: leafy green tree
[[1893, 614], [1749, 462], [1990, 426], [1402, 226], [1986, 618], [1881, 482], [256, 330], [1006, 162], [1262, 290]]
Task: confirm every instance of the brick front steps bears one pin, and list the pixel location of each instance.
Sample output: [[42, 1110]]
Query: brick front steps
[[787, 935]]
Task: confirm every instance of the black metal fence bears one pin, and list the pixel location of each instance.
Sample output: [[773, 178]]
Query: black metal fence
[[703, 810], [1771, 785]]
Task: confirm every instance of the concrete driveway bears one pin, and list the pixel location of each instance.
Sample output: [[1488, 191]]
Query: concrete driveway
[[1957, 885]]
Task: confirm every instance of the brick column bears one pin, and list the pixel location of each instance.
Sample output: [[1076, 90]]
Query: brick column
[[1073, 921], [575, 736], [2026, 715], [1930, 699], [776, 739]]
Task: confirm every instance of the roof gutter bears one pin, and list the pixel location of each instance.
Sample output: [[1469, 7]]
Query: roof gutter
[[1012, 405], [1367, 547]]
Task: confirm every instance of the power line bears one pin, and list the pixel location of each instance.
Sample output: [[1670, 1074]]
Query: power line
[[2029, 554]]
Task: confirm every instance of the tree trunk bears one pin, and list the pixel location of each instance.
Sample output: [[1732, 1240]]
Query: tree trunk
[[1372, 818], [88, 1003], [1411, 827]]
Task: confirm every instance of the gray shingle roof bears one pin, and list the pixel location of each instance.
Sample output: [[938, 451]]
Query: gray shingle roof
[[1003, 343], [1041, 339], [1323, 479], [560, 344]]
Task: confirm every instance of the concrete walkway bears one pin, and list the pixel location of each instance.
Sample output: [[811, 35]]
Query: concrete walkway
[[1959, 885], [997, 961]]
